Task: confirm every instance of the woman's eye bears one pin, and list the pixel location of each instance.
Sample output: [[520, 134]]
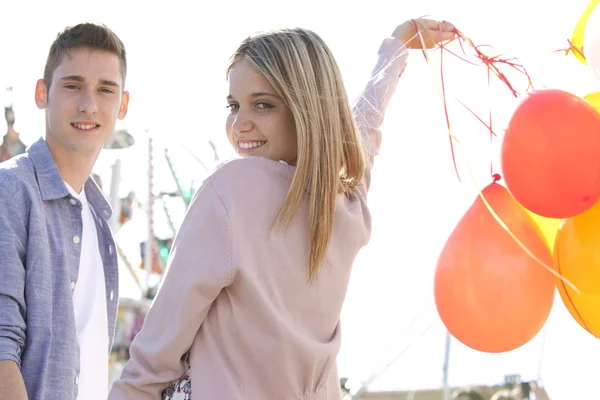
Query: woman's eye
[[264, 106]]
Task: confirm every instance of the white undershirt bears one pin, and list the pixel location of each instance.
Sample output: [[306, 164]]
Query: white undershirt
[[89, 301]]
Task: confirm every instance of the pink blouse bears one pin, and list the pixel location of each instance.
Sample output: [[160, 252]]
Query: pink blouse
[[236, 294]]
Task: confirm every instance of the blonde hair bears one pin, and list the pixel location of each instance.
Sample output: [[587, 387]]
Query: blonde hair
[[330, 158]]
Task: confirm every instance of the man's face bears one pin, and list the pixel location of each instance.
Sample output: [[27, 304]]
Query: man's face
[[83, 102]]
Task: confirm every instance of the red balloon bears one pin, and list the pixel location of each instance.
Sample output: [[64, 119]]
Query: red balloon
[[551, 154], [490, 294]]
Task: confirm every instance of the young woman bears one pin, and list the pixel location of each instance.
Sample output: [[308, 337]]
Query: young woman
[[259, 269]]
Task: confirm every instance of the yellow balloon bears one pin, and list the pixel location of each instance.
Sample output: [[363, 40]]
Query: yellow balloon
[[548, 226], [577, 258], [594, 100], [579, 31]]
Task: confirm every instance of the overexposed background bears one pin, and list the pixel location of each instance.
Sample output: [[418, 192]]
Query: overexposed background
[[177, 53]]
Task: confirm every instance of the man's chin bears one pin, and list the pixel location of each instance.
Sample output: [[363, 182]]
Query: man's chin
[[90, 147]]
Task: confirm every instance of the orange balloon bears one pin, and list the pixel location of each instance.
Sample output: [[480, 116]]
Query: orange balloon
[[489, 293], [577, 258], [550, 154]]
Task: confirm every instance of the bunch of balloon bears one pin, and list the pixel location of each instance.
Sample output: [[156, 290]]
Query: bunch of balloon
[[551, 166], [577, 248], [585, 44], [496, 277]]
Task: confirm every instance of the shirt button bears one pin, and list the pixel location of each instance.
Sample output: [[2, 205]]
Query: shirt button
[[76, 239], [73, 202], [112, 294], [72, 285], [76, 380], [110, 250]]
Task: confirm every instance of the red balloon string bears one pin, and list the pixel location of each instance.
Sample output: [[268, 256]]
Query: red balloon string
[[443, 89], [572, 48], [493, 64]]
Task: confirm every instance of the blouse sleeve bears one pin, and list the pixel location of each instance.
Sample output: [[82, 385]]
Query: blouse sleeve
[[199, 268], [369, 110]]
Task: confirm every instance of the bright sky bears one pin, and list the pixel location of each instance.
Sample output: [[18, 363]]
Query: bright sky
[[177, 54]]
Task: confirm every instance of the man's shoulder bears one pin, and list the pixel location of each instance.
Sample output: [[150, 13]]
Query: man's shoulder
[[17, 178]]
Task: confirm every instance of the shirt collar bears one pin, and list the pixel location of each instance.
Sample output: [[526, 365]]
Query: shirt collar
[[51, 183]]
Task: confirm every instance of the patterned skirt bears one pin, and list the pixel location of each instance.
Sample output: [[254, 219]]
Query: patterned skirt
[[180, 389]]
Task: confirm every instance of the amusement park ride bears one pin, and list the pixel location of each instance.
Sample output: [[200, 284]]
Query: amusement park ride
[[154, 251]]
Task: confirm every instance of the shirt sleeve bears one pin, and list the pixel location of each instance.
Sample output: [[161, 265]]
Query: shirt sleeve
[[13, 245], [369, 110], [199, 268]]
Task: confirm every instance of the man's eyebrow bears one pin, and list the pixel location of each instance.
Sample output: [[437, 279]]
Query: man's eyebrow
[[79, 78], [106, 82]]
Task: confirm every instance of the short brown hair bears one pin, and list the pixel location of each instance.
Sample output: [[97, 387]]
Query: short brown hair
[[84, 36]]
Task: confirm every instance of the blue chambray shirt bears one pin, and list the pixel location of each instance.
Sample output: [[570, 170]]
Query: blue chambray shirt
[[40, 231]]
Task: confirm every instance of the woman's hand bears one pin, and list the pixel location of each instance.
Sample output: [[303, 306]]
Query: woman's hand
[[433, 33]]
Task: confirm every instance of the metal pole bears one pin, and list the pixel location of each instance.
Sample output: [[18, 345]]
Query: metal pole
[[115, 201], [541, 360], [150, 205], [447, 393]]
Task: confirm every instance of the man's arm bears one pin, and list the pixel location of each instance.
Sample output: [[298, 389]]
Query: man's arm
[[13, 244], [11, 381]]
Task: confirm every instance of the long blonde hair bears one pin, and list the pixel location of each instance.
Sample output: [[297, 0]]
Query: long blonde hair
[[330, 158]]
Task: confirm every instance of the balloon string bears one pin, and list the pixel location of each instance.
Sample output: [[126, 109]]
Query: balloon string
[[453, 138], [442, 92], [572, 48]]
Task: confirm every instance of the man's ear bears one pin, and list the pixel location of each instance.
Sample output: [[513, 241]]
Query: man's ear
[[41, 94], [124, 105]]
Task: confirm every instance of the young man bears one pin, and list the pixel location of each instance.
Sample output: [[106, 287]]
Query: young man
[[58, 291]]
